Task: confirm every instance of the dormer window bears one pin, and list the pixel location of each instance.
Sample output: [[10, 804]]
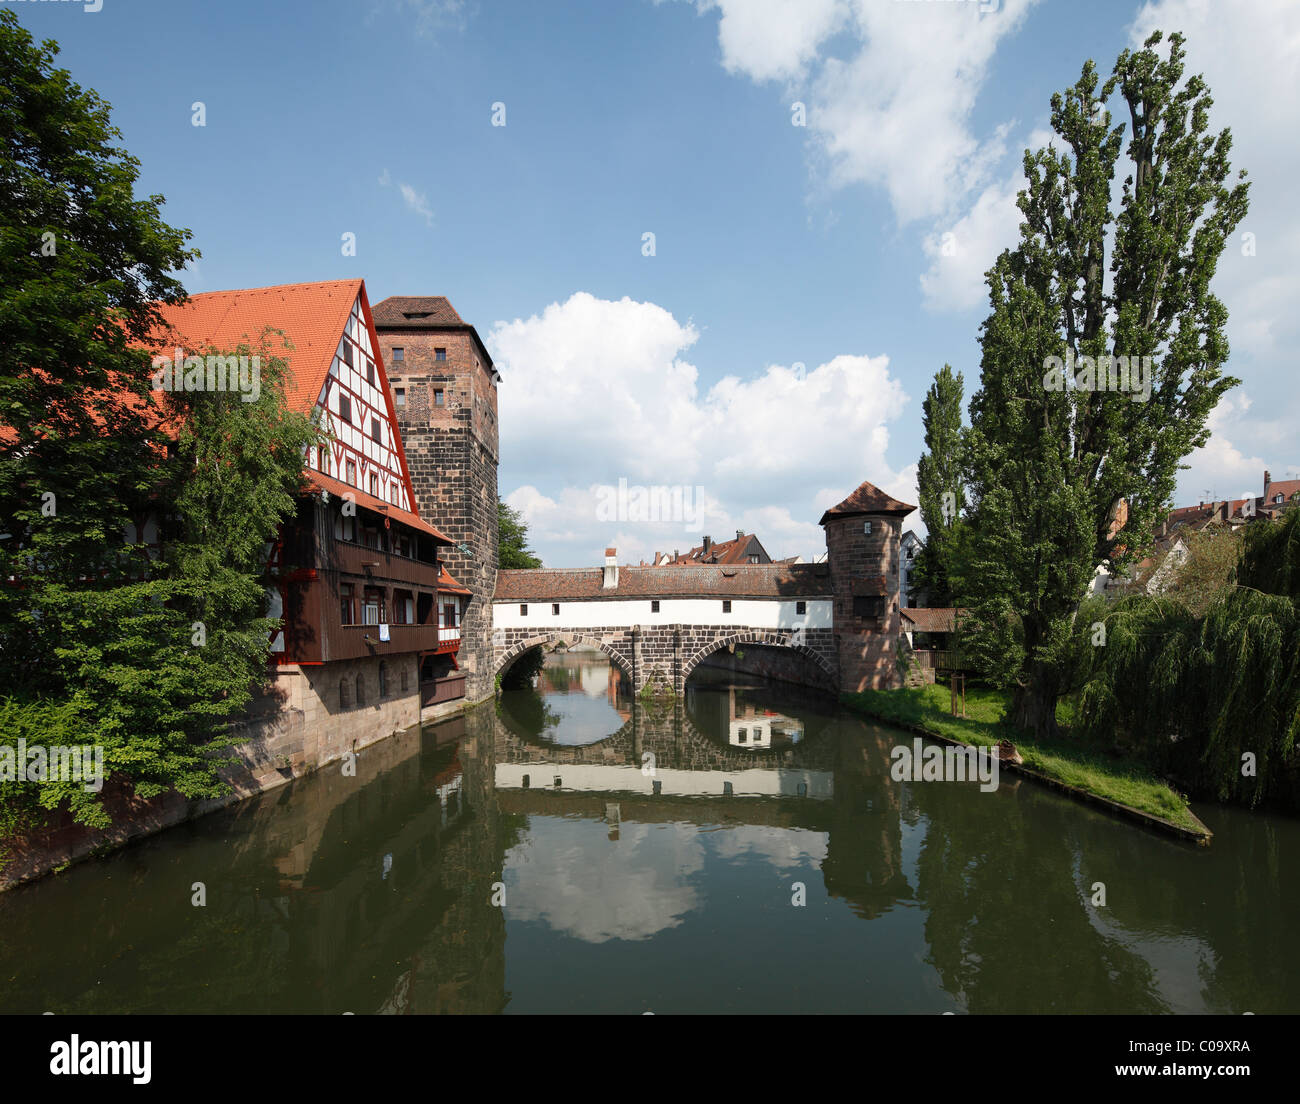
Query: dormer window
[[1278, 500]]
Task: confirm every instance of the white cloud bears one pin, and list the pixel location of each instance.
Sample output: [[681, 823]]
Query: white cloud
[[597, 391], [960, 256], [417, 202], [774, 39]]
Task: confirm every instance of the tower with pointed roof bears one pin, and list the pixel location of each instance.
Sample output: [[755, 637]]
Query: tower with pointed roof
[[863, 544], [445, 396]]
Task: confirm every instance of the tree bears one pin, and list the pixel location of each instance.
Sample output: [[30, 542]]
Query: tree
[[940, 483], [512, 538], [1051, 455], [105, 640]]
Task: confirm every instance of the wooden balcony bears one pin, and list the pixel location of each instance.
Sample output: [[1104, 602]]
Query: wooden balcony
[[448, 640]]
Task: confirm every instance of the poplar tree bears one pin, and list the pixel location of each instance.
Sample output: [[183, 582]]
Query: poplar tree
[[1051, 457], [940, 484]]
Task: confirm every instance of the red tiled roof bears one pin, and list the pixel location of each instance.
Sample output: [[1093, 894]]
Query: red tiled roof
[[1284, 487], [319, 481], [312, 317], [937, 619], [696, 581], [449, 585], [415, 312], [733, 551], [867, 499]]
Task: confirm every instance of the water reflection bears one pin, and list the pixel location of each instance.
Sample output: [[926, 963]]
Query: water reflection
[[788, 874]]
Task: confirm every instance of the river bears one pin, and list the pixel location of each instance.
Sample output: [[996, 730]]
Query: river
[[743, 850]]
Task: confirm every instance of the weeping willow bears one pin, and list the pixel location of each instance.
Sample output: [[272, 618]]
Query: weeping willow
[[1213, 700]]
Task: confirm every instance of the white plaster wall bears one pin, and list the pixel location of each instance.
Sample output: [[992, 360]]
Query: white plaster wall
[[755, 613]]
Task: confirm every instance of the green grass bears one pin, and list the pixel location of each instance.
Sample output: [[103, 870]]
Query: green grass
[[1065, 759]]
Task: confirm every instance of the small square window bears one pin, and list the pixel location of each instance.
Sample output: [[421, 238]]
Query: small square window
[[399, 353], [654, 605], [399, 396], [439, 354], [866, 527], [555, 609], [743, 735], [726, 605], [801, 607], [523, 609], [439, 398]]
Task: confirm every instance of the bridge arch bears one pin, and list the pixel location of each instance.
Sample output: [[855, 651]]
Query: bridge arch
[[764, 637], [557, 636]]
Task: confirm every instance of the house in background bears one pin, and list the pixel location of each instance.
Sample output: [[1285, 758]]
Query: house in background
[[909, 550], [743, 549]]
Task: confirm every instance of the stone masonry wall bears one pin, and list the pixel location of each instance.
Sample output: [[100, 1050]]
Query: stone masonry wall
[[866, 647]]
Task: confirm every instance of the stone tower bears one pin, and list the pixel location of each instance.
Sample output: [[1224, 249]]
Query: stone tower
[[863, 544], [445, 393]]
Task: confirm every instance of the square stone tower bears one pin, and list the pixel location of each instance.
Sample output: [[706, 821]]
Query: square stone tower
[[863, 544], [445, 394]]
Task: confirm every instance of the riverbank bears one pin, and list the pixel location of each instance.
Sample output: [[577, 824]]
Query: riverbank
[[1085, 773]]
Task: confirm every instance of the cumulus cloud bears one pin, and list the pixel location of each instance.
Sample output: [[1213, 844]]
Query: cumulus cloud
[[599, 391]]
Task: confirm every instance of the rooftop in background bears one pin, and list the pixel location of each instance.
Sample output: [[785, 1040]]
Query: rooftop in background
[[867, 499], [937, 619], [735, 551], [712, 580]]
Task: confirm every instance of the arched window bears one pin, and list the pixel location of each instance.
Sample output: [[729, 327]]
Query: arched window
[[361, 690]]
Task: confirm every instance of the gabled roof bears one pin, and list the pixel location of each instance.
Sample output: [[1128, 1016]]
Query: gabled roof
[[932, 619], [723, 552], [867, 499], [319, 481], [416, 312], [312, 317], [448, 585], [741, 581], [1284, 487]]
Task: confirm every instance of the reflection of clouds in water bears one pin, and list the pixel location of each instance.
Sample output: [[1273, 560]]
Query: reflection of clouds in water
[[586, 886], [580, 720], [595, 681], [784, 849]]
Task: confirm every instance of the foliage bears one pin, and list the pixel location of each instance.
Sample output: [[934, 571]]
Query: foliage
[[512, 539], [105, 641], [940, 475], [1048, 468]]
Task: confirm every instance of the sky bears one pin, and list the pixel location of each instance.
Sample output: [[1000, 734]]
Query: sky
[[768, 348]]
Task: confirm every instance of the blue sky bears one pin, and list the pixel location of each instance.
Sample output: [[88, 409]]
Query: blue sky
[[774, 350]]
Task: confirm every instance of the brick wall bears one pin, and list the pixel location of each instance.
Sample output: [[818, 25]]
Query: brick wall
[[866, 647], [452, 450]]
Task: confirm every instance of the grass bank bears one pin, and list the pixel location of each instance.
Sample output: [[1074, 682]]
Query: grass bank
[[1065, 760]]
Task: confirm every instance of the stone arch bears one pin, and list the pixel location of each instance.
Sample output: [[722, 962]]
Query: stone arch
[[569, 638], [770, 638]]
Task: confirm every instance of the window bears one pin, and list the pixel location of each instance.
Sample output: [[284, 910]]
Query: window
[[374, 484], [439, 354], [361, 690], [374, 607], [753, 559], [523, 609], [726, 605], [404, 544], [323, 458], [868, 607], [654, 605], [1278, 499], [439, 399], [347, 352], [352, 472], [376, 430], [343, 693], [399, 396], [744, 735], [399, 353], [345, 527], [405, 610], [866, 527], [345, 409], [383, 679], [370, 372], [392, 492], [346, 607], [555, 609], [801, 607]]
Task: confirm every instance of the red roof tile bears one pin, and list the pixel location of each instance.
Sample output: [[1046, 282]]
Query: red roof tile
[[937, 619], [867, 499], [319, 481], [449, 585]]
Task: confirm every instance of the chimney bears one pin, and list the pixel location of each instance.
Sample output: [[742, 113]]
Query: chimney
[[708, 543], [1268, 478], [611, 569], [739, 533], [655, 561]]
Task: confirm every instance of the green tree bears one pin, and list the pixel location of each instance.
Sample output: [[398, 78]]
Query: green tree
[[940, 483], [1051, 456], [104, 640], [512, 538]]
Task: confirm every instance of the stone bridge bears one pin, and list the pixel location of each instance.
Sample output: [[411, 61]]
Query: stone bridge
[[656, 624]]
